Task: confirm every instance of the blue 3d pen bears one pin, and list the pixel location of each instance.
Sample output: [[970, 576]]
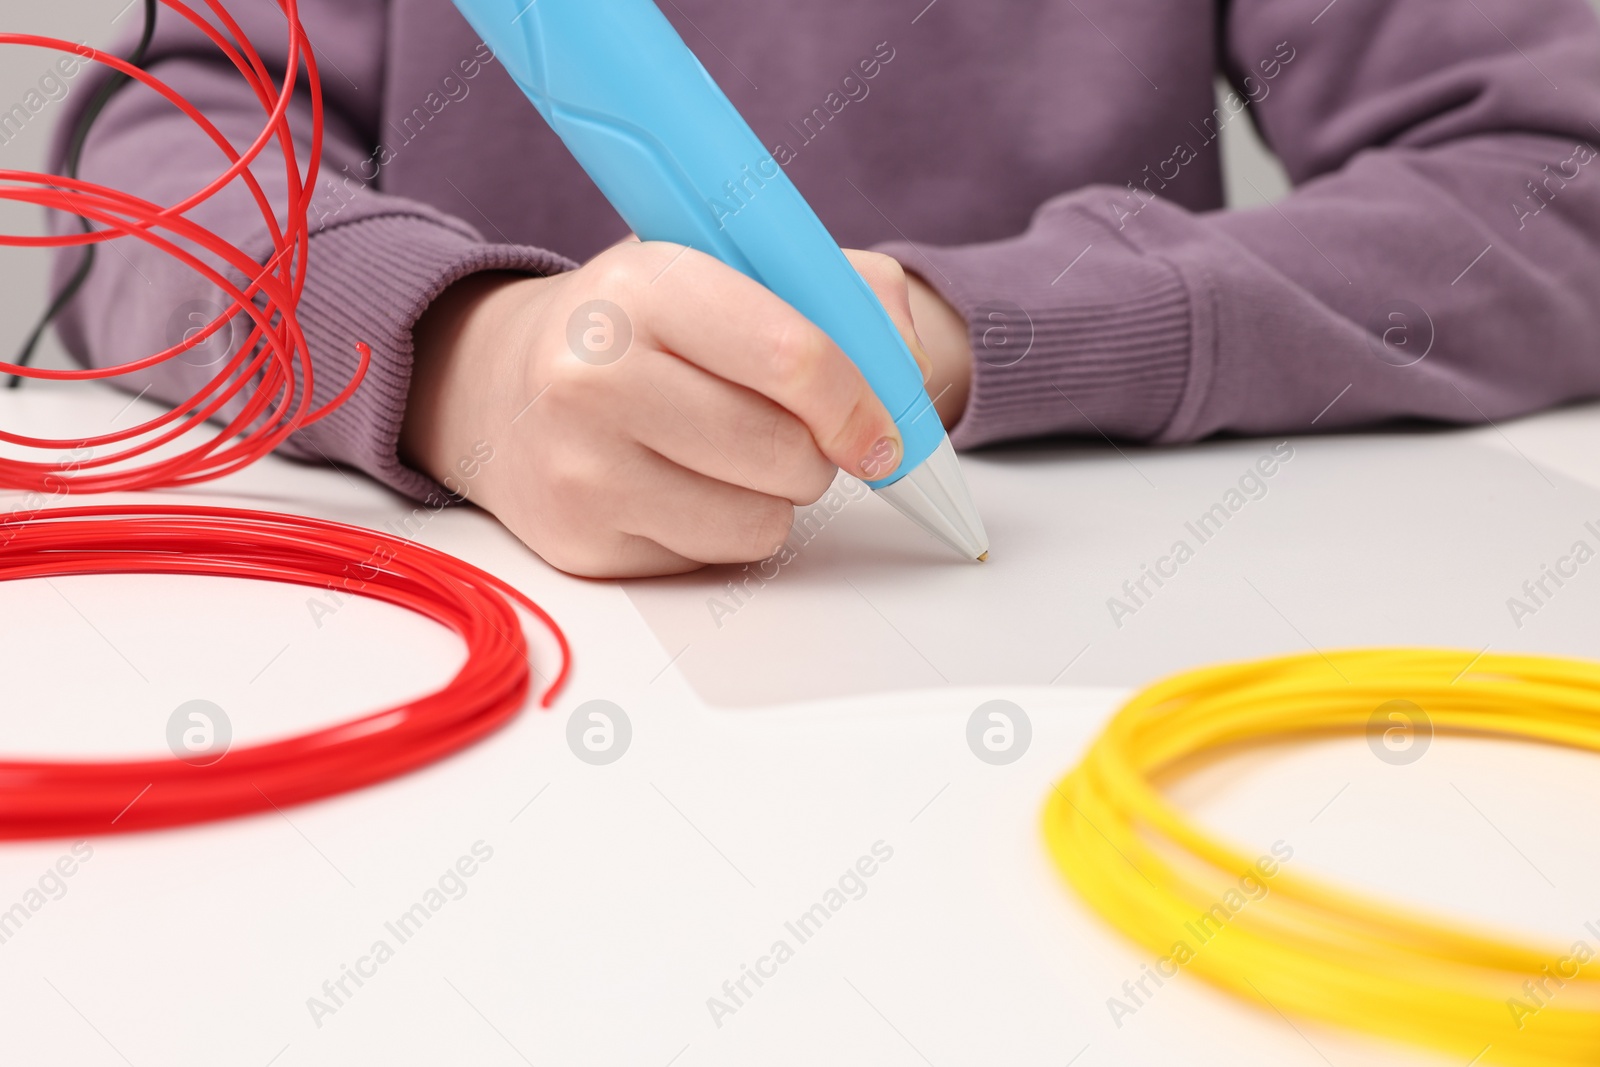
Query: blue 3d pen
[[645, 120]]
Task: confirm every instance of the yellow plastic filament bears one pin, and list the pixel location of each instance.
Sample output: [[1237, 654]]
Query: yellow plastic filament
[[1298, 945]]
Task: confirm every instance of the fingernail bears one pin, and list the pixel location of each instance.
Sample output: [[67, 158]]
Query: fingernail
[[883, 459]]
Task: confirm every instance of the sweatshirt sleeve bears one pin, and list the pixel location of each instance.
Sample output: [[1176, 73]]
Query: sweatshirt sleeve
[[375, 261], [1439, 257]]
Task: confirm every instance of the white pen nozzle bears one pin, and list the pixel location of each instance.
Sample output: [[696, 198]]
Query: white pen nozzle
[[935, 497]]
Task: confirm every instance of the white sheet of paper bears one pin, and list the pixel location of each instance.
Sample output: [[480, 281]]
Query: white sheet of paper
[[1351, 541]]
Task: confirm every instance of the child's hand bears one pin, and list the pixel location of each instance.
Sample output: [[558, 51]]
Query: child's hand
[[675, 424]]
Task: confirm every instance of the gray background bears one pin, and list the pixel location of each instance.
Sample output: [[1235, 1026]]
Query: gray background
[[23, 272]]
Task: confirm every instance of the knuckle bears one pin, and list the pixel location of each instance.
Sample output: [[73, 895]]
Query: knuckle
[[570, 391], [568, 379], [782, 436], [795, 353], [765, 528], [813, 482], [615, 271], [569, 483], [577, 383], [802, 472]]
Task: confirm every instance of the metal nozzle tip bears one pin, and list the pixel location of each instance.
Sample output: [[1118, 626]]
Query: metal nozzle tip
[[984, 558], [935, 497]]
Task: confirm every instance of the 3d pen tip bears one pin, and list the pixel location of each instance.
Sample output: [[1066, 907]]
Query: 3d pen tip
[[935, 497], [984, 558]]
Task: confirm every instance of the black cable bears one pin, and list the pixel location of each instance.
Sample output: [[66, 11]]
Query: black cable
[[80, 134]]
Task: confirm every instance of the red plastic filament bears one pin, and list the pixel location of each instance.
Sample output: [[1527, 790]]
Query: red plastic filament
[[48, 799], [264, 369], [271, 376]]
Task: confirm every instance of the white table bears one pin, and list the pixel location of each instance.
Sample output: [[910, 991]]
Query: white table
[[619, 898]]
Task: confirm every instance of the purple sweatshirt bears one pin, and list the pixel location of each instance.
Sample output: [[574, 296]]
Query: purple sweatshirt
[[1052, 169]]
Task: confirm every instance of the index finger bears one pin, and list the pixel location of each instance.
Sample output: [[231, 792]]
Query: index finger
[[706, 312]]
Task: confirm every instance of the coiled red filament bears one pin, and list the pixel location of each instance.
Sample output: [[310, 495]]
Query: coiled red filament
[[46, 799], [271, 373], [264, 368]]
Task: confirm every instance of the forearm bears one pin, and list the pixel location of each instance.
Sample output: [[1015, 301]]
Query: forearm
[[1119, 313]]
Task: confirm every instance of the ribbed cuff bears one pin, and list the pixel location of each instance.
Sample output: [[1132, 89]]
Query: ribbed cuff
[[1074, 331], [370, 280]]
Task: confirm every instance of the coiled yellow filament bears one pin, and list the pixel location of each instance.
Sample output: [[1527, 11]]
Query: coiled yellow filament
[[1303, 946]]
